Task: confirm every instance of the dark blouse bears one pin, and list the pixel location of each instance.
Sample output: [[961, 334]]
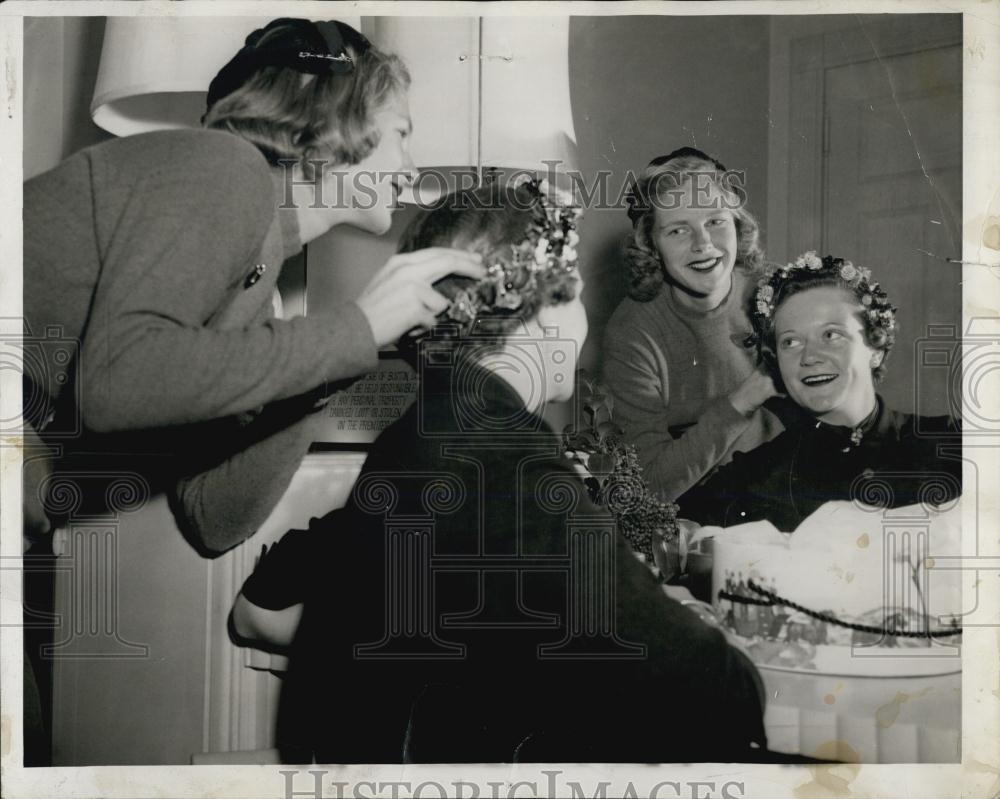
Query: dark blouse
[[900, 460]]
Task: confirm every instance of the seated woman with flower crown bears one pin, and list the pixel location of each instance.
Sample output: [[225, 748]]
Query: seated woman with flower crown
[[449, 608], [824, 330]]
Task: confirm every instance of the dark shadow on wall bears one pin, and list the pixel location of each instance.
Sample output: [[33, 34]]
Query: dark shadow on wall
[[61, 60], [85, 38]]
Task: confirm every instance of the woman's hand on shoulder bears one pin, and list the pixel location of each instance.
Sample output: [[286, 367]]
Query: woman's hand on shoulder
[[753, 392], [400, 297]]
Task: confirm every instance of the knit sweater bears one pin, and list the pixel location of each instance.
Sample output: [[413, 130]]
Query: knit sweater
[[669, 370], [141, 250]]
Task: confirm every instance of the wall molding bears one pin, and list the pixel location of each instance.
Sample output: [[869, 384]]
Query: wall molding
[[241, 690]]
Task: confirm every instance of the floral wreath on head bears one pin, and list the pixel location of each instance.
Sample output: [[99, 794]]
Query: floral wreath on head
[[875, 302], [546, 254]]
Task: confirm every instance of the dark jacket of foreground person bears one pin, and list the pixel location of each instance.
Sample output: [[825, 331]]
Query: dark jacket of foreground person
[[506, 660]]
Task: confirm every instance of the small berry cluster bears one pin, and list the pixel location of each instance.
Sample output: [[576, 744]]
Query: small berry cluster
[[597, 444], [643, 518]]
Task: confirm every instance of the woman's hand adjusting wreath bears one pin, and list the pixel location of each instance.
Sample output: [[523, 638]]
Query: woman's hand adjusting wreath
[[400, 297]]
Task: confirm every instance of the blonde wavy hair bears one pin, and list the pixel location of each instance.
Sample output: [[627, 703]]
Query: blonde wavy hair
[[646, 273], [289, 115]]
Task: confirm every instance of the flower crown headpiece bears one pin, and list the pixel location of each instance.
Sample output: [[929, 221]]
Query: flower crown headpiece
[[877, 307], [548, 250]]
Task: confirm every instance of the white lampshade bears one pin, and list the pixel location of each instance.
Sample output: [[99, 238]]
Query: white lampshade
[[155, 71], [527, 116], [487, 92]]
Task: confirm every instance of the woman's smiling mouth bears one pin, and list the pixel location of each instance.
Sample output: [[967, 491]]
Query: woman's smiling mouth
[[706, 265], [819, 380]]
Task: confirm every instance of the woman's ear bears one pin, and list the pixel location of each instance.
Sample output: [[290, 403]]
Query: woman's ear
[[544, 319], [877, 357]]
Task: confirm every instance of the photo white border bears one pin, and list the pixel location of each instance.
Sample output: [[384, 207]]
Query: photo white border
[[978, 775]]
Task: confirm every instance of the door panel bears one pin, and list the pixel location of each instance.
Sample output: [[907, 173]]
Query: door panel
[[870, 167], [893, 182]]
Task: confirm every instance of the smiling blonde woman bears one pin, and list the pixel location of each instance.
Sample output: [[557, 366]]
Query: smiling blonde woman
[[685, 387]]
